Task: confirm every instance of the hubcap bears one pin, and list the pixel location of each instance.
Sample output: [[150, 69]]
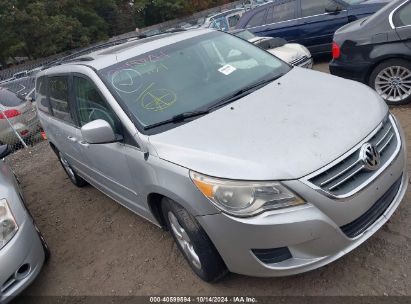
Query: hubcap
[[394, 83], [67, 167], [184, 240]]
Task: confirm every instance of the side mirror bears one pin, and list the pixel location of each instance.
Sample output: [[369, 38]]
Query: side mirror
[[4, 151], [98, 132], [333, 8]]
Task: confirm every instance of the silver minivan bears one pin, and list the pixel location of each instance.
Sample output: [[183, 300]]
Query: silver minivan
[[255, 167]]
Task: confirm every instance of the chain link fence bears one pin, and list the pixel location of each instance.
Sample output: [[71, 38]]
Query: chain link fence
[[19, 123]]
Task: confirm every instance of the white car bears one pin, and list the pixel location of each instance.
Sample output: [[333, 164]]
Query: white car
[[292, 53]]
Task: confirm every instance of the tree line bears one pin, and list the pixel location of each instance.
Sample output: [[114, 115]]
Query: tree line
[[40, 28]]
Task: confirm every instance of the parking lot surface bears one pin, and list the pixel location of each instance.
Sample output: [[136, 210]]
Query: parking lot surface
[[101, 248]]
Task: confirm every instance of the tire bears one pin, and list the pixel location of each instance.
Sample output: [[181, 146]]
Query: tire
[[72, 175], [388, 80], [208, 265]]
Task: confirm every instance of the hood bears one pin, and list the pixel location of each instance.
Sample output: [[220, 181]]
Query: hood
[[289, 52], [286, 130]]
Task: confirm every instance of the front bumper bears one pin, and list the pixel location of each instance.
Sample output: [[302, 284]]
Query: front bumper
[[304, 62], [23, 252], [313, 238]]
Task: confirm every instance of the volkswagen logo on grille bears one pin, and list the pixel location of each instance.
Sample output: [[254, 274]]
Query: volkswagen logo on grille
[[370, 156]]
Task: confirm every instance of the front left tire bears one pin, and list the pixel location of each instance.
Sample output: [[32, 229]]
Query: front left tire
[[193, 242]]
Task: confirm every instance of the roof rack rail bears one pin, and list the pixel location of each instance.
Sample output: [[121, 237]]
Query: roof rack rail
[[76, 56]]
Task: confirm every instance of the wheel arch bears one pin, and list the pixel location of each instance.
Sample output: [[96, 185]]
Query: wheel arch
[[382, 60], [154, 203]]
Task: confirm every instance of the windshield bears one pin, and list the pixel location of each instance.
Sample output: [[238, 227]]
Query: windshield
[[246, 35], [190, 75]]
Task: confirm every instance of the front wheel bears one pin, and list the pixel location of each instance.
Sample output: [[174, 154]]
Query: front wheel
[[392, 81], [193, 242], [74, 178]]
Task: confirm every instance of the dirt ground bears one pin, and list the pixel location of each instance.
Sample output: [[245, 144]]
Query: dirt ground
[[100, 248]]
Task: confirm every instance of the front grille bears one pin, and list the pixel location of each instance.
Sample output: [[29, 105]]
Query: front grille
[[361, 224], [302, 61], [348, 175], [274, 255]]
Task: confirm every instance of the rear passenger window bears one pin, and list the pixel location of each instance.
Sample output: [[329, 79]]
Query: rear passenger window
[[282, 12], [59, 97], [41, 95], [311, 8], [403, 17], [91, 105], [257, 20]]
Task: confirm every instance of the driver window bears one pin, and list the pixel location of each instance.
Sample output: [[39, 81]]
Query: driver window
[[312, 8], [90, 105]]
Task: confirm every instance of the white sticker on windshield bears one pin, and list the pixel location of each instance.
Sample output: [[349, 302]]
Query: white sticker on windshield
[[227, 69]]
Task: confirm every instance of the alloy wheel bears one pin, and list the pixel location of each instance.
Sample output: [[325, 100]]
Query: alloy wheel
[[394, 83], [67, 167], [184, 240]]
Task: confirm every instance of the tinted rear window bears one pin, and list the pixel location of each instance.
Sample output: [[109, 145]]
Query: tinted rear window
[[59, 97], [283, 11], [403, 17], [9, 99], [41, 94]]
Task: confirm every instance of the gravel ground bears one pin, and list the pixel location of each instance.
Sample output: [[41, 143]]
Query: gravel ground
[[100, 248]]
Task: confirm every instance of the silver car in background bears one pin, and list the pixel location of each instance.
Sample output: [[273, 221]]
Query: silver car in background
[[17, 115], [22, 248], [254, 166]]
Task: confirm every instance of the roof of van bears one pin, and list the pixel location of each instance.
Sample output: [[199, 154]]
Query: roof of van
[[109, 56]]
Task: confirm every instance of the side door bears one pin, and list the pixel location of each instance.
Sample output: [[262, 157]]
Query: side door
[[108, 168], [61, 123], [317, 25], [281, 21], [402, 23]]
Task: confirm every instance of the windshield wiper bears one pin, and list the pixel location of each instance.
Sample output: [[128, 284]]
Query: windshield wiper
[[178, 118], [244, 91], [227, 100]]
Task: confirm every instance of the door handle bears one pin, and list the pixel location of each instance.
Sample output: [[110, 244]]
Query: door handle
[[71, 138], [84, 144]]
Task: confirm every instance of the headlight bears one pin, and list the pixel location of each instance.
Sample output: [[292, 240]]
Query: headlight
[[244, 199], [8, 225]]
